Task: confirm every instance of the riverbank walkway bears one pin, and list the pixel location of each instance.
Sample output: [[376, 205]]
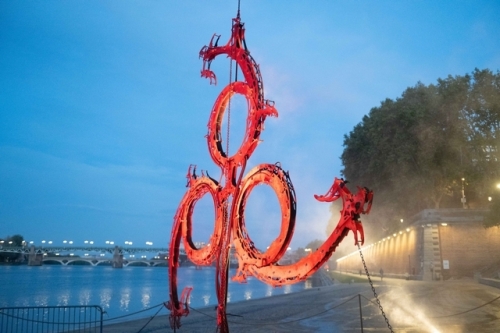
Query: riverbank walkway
[[458, 306]]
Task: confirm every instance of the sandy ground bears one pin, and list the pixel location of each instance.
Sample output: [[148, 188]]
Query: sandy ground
[[410, 306]]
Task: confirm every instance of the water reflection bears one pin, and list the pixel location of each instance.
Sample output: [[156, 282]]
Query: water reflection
[[84, 297], [63, 299], [146, 297], [105, 298], [308, 284], [124, 299], [287, 289], [269, 291], [42, 300]]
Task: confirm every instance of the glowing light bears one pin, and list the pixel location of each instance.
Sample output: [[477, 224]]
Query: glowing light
[[444, 224], [407, 229]]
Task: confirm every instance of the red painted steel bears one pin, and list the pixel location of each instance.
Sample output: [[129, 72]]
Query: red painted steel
[[230, 197]]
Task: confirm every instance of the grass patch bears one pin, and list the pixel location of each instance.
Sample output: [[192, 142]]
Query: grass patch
[[345, 278]]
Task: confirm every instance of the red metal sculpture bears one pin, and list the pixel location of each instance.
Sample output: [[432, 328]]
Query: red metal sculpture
[[230, 196]]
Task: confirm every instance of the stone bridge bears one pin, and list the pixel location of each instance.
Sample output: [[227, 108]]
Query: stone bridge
[[37, 256]]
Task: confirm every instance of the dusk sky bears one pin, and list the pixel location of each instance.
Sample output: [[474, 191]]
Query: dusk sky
[[102, 107]]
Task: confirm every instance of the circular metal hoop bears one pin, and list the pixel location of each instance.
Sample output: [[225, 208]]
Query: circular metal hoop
[[214, 137], [206, 254], [274, 176]]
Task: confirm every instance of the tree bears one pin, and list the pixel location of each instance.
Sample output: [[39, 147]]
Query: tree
[[17, 240], [414, 151]]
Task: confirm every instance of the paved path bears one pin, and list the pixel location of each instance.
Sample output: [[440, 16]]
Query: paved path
[[411, 307]]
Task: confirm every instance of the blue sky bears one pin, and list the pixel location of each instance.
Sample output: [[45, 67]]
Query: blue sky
[[102, 108]]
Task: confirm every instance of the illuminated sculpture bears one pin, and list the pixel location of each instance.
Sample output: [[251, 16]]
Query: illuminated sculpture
[[230, 197]]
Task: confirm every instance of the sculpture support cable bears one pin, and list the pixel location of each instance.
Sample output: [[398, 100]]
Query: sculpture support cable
[[230, 196]]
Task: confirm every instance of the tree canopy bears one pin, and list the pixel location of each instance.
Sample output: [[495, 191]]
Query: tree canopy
[[16, 240], [414, 151]]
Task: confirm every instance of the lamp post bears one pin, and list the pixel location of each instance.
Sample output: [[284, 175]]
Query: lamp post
[[463, 194]]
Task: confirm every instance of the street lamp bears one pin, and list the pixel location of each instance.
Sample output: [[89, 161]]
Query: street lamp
[[463, 194]]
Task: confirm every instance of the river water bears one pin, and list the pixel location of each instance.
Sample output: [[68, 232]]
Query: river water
[[120, 292]]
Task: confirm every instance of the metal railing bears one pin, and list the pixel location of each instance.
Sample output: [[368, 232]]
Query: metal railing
[[51, 319]]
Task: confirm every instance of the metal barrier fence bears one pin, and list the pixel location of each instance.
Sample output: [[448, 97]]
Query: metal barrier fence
[[51, 319]]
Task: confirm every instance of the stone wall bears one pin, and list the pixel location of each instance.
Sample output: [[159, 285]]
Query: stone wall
[[439, 244], [469, 248], [396, 255]]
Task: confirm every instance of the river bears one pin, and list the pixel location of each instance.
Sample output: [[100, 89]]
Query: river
[[120, 292]]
